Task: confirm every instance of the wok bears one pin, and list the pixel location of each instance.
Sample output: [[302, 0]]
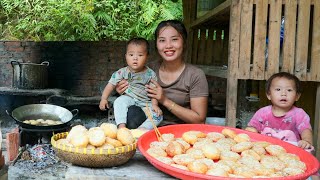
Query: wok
[[43, 111]]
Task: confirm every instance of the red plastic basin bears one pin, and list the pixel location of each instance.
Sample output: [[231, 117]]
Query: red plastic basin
[[144, 143]]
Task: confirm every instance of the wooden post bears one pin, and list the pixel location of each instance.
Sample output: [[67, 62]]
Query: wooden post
[[233, 55], [259, 44], [303, 26], [245, 39]]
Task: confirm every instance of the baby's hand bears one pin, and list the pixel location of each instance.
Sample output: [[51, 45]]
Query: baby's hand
[[251, 129], [103, 104], [304, 144], [157, 110]]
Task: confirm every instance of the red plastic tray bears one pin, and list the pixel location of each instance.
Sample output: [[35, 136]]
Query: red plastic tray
[[144, 141]]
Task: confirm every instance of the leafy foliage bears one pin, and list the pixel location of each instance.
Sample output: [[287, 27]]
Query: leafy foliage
[[86, 20]]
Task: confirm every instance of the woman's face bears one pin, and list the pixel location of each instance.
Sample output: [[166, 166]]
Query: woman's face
[[170, 44]]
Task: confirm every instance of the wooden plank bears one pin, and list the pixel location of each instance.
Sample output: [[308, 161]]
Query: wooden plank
[[210, 49], [225, 45], [233, 58], [216, 71], [194, 48], [316, 130], [315, 49], [245, 39], [202, 47], [189, 14], [190, 41], [303, 26], [274, 38], [221, 9], [283, 1], [289, 34], [218, 46], [259, 40]]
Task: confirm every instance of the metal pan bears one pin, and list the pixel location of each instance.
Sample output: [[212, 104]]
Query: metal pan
[[43, 111]]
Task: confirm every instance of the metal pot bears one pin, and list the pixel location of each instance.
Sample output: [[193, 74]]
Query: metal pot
[[43, 111], [30, 75]]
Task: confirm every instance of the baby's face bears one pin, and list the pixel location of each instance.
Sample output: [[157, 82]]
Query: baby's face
[[136, 57], [283, 93]]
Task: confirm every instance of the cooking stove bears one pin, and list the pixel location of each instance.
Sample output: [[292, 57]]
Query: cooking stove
[[38, 136]]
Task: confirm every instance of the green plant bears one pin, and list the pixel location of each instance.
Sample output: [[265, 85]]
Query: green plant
[[71, 20]]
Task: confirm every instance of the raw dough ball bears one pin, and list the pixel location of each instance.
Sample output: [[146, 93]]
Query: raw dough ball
[[110, 130]]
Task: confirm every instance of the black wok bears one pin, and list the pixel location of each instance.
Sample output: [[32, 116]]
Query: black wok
[[43, 111]]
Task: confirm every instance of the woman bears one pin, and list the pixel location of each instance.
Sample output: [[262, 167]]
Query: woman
[[182, 89]]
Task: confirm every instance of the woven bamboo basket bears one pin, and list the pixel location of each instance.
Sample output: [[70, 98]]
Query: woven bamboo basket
[[92, 157]]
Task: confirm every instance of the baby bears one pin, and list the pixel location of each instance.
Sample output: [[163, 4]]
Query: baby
[[138, 75], [282, 119]]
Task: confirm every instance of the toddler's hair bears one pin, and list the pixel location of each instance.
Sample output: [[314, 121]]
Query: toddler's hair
[[139, 41], [284, 75]]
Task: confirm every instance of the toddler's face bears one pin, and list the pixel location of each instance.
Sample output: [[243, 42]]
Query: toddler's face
[[136, 57], [283, 93]]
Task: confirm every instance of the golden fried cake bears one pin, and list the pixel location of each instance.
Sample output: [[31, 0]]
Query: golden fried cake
[[80, 140], [197, 167], [174, 148], [113, 142], [124, 136], [156, 152], [211, 151], [110, 130], [96, 136], [183, 159], [229, 133]]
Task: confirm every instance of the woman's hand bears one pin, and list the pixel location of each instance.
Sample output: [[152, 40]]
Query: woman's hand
[[122, 86], [155, 91]]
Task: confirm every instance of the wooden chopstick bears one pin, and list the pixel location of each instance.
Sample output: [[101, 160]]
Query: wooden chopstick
[[158, 134]]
